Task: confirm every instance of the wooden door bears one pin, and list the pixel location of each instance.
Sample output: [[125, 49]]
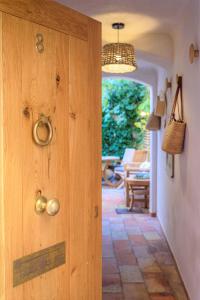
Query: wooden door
[[60, 80]]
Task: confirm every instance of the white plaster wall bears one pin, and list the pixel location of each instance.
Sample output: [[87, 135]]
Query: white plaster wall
[[156, 48], [179, 198]]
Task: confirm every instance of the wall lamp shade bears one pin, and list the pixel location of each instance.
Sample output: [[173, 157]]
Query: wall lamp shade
[[118, 58]]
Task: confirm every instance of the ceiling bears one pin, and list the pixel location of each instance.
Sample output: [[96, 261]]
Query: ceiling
[[140, 16], [149, 24]]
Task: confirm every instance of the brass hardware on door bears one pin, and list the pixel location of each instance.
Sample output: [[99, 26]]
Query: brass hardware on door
[[39, 263], [51, 206], [43, 121], [40, 205], [40, 42]]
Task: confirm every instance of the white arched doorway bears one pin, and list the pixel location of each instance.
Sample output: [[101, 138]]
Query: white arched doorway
[[149, 79]]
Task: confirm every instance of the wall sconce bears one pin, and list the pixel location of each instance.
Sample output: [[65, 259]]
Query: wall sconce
[[193, 53]]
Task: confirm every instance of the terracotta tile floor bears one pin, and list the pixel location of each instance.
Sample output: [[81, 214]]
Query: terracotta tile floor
[[137, 262]]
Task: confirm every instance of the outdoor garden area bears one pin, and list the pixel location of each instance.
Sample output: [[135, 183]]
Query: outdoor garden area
[[125, 110], [125, 140]]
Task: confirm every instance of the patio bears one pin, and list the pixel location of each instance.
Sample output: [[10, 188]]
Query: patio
[[137, 262]]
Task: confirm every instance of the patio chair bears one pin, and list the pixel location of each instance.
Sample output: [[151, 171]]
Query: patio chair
[[140, 163], [131, 162], [127, 158], [140, 169]]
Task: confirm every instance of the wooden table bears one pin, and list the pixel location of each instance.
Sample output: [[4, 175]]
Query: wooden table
[[134, 187], [106, 162]]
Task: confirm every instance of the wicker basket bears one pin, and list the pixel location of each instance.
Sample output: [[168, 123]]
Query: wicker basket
[[174, 136], [160, 108], [153, 123]]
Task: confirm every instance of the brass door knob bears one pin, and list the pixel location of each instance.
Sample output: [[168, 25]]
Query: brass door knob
[[40, 204], [51, 206]]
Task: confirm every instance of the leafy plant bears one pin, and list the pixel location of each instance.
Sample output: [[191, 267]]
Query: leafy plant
[[125, 109]]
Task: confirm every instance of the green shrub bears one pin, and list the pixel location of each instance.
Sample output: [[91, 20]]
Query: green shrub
[[125, 109]]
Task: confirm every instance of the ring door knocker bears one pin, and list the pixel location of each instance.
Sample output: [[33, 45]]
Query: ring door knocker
[[42, 121]]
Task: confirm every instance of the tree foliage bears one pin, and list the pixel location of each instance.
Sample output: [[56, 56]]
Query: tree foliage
[[125, 108]]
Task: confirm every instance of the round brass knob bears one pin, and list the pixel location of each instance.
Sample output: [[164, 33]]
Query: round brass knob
[[40, 204], [53, 207]]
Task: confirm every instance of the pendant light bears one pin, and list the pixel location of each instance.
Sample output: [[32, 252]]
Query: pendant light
[[118, 57]]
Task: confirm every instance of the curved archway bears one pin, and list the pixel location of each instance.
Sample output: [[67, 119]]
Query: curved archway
[[151, 83]]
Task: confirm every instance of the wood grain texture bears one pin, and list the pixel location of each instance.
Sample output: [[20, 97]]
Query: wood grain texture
[[85, 167], [80, 211], [95, 145], [48, 170], [64, 82], [29, 168], [50, 14], [13, 165], [2, 219]]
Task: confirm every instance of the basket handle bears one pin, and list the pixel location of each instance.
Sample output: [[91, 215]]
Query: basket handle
[[175, 103]]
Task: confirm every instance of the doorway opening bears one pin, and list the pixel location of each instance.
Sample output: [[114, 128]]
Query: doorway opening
[[125, 161], [125, 140]]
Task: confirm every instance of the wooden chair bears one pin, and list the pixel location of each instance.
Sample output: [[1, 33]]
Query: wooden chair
[[141, 158], [137, 190], [120, 170], [136, 159]]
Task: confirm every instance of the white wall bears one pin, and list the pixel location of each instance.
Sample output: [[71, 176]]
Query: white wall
[[179, 198], [156, 48]]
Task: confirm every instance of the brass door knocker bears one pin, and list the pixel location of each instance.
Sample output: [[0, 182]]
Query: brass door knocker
[[42, 121]]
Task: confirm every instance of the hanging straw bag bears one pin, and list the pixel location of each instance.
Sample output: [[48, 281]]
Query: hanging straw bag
[[153, 123], [174, 135], [160, 107]]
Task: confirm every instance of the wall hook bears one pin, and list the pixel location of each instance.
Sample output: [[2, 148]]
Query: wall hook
[[168, 84], [179, 79], [193, 53]]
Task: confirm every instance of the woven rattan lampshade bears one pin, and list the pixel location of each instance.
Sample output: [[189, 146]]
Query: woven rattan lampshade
[[118, 57]]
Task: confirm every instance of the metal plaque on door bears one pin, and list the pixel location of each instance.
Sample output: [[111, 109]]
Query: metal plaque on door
[[38, 263]]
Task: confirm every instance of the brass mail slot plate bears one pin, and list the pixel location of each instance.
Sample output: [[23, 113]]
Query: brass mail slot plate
[[38, 263]]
